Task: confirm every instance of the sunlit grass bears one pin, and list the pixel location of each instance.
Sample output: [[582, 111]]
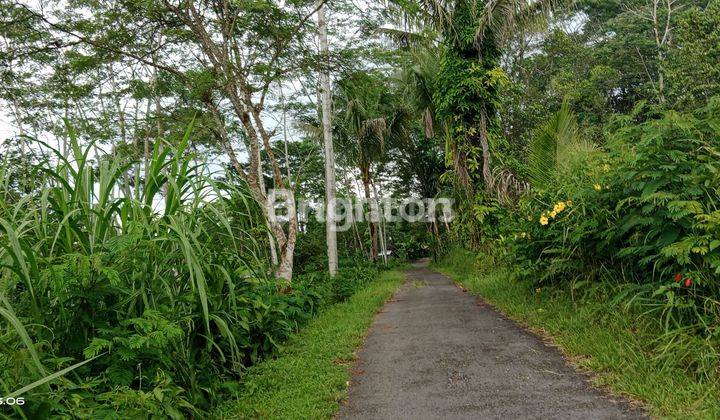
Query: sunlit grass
[[309, 376]]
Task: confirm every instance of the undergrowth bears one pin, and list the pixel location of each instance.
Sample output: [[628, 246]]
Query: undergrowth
[[310, 374], [118, 305]]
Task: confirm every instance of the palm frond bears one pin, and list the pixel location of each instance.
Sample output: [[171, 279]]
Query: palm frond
[[418, 15], [403, 38], [418, 81], [399, 125], [501, 18], [552, 142], [507, 186], [374, 129], [438, 11]]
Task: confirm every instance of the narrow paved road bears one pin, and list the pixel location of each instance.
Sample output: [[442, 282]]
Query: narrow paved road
[[436, 352]]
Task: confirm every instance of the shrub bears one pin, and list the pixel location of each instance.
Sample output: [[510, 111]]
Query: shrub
[[644, 215], [648, 204], [153, 303]]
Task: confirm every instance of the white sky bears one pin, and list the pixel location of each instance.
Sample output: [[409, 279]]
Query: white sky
[[6, 129], [272, 119]]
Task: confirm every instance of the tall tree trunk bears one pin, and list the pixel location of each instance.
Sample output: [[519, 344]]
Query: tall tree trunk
[[373, 225], [256, 184], [383, 246], [14, 106], [66, 138], [487, 173], [459, 162], [356, 232], [123, 133], [287, 252], [271, 239], [158, 115], [330, 229], [436, 232], [273, 249], [146, 147], [358, 238], [663, 35], [136, 144]]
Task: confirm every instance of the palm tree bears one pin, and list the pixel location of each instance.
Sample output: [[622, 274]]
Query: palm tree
[[466, 96], [420, 153], [368, 118], [418, 81]]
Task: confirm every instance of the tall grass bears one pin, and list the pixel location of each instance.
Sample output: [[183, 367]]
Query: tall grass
[[166, 290]]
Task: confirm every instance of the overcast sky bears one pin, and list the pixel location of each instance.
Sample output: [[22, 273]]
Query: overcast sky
[[7, 129], [339, 21]]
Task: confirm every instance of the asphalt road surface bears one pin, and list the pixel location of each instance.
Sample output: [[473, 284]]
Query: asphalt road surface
[[436, 352]]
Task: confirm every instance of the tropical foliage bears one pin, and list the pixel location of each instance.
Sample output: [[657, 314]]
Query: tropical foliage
[[164, 297], [142, 270]]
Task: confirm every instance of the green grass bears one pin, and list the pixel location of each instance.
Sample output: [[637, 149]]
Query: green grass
[[619, 347], [309, 377]]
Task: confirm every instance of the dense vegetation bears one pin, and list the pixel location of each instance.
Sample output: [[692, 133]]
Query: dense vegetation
[[310, 375], [167, 305], [142, 270]]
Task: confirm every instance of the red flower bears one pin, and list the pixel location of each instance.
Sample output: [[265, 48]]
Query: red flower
[[678, 277], [688, 282]]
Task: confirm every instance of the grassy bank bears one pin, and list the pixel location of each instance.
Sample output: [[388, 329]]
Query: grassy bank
[[309, 376], [618, 345]]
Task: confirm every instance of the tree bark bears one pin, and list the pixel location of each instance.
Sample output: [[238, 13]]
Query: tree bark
[[330, 188], [146, 148], [271, 240], [383, 246], [487, 173], [461, 170], [287, 252], [373, 225], [358, 238]]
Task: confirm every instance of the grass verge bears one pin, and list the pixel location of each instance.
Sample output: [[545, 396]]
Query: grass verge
[[310, 374], [619, 347]]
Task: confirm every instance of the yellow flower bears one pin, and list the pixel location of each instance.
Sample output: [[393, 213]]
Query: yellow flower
[[552, 214], [538, 290], [606, 167], [569, 203], [544, 220], [559, 207], [530, 217], [597, 187]]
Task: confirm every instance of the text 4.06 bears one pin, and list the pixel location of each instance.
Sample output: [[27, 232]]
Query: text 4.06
[[12, 401]]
